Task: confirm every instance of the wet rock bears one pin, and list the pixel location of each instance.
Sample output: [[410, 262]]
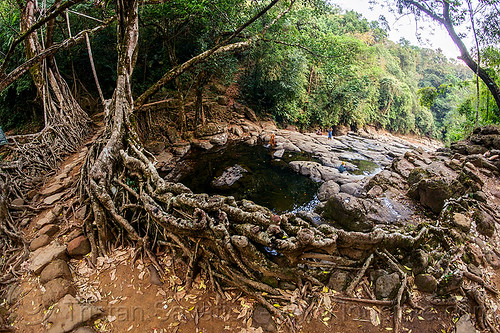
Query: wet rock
[[219, 140], [49, 230], [426, 283], [230, 176], [79, 246], [53, 198], [154, 277], [69, 314], [386, 286], [203, 144], [338, 280], [492, 259], [39, 242], [348, 212], [465, 325], [43, 256], [461, 221], [480, 196], [56, 289], [209, 129], [262, 318], [56, 269], [327, 190], [279, 153]]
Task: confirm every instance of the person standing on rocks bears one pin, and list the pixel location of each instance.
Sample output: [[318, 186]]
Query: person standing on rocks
[[272, 141], [330, 131]]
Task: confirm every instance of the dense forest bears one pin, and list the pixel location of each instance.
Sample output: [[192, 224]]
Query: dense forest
[[318, 66]]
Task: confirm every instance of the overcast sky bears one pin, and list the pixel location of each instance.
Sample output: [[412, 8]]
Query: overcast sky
[[434, 36]]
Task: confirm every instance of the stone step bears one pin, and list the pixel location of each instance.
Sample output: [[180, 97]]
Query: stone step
[[68, 314], [44, 255]]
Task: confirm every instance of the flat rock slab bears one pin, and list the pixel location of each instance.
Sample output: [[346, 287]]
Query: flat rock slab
[[68, 314], [43, 256], [54, 188], [39, 242], [53, 198]]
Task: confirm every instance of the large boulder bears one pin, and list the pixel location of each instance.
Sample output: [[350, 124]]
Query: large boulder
[[348, 212], [230, 176], [387, 286], [209, 129], [327, 190]]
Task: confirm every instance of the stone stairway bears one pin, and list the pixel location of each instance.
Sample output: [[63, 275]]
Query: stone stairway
[[56, 237]]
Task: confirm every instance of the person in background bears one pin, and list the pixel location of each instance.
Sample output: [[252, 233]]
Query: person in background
[[330, 132], [341, 167], [318, 131], [272, 141]]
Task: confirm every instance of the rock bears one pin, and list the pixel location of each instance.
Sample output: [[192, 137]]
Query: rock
[[375, 274], [251, 141], [49, 230], [348, 212], [426, 283], [450, 284], [181, 149], [485, 223], [40, 241], [56, 289], [79, 246], [480, 196], [81, 213], [327, 190], [172, 135], [236, 130], [262, 318], [431, 193], [69, 314], [56, 269], [492, 259], [279, 153], [475, 270], [154, 277], [339, 130], [475, 254], [203, 144], [351, 188], [375, 191], [54, 188], [386, 286], [43, 256], [230, 176], [461, 221], [465, 325], [209, 129], [419, 261], [73, 234], [338, 280], [222, 100], [219, 140], [17, 202], [53, 198]]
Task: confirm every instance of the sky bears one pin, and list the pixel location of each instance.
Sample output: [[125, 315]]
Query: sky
[[433, 35]]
